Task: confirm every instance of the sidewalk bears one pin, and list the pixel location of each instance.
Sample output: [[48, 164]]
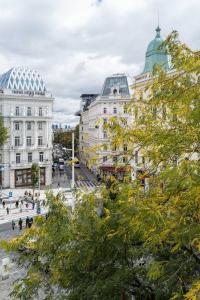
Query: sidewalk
[[15, 214]]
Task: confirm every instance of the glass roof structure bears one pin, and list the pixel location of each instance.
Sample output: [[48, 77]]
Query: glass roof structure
[[22, 79], [116, 81]]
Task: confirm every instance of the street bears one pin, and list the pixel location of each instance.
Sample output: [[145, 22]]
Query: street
[[83, 177]]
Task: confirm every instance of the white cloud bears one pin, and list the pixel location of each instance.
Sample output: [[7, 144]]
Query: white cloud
[[76, 44]]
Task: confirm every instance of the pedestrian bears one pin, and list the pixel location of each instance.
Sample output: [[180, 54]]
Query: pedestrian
[[3, 204], [20, 224], [58, 184], [7, 209], [27, 221], [30, 222], [33, 205], [26, 205], [13, 225], [43, 202], [46, 216]]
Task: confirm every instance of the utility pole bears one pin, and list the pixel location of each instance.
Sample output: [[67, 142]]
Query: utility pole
[[73, 180]]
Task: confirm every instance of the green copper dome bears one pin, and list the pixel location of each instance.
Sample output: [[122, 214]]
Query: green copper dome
[[154, 55]]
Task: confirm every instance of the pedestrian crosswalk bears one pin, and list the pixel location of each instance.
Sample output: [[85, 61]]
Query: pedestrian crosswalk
[[86, 184]]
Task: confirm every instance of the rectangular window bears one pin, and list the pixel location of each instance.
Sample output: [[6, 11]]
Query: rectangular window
[[39, 140], [40, 111], [125, 160], [16, 125], [104, 110], [28, 125], [41, 156], [105, 134], [28, 141], [105, 158], [136, 157], [17, 110], [29, 157], [104, 121], [114, 159], [125, 109], [18, 156], [17, 141], [114, 110], [40, 125], [29, 111]]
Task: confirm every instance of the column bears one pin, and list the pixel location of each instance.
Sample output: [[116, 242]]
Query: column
[[24, 134], [35, 135]]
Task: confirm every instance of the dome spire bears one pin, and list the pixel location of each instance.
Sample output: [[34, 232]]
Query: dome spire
[[158, 30]]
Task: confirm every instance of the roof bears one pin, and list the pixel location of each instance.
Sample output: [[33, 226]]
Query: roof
[[117, 83], [156, 54], [22, 79]]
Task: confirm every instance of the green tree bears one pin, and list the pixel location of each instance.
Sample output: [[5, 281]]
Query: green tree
[[3, 132], [35, 169], [123, 240]]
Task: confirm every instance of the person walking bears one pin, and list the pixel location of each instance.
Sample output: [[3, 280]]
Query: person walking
[[27, 221], [3, 204], [7, 209], [17, 204], [30, 222], [13, 225], [20, 224]]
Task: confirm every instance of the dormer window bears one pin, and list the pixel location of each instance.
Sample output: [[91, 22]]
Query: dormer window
[[115, 92]]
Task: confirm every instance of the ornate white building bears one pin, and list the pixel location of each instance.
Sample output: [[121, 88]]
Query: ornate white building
[[26, 108], [95, 114]]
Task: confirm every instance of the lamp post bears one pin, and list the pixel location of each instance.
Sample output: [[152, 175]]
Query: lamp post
[[73, 173], [73, 177]]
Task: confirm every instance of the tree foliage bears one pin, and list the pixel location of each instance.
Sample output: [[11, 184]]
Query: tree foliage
[[65, 138], [123, 240], [3, 133]]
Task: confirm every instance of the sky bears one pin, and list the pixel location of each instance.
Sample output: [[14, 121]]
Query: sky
[[76, 44]]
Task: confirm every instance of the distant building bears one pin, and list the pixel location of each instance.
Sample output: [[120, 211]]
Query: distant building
[[61, 127], [26, 108]]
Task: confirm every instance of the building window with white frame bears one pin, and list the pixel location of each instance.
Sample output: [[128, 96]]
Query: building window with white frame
[[28, 141], [40, 141], [39, 125], [17, 110], [105, 134], [40, 111], [29, 111], [18, 158], [16, 125], [28, 125], [104, 121], [114, 110], [105, 158], [105, 110], [41, 156], [30, 157], [17, 141]]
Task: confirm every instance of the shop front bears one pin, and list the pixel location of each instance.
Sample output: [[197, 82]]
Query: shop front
[[117, 171], [23, 177]]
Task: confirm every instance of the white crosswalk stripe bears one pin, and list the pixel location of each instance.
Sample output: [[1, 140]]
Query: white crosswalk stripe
[[85, 184]]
